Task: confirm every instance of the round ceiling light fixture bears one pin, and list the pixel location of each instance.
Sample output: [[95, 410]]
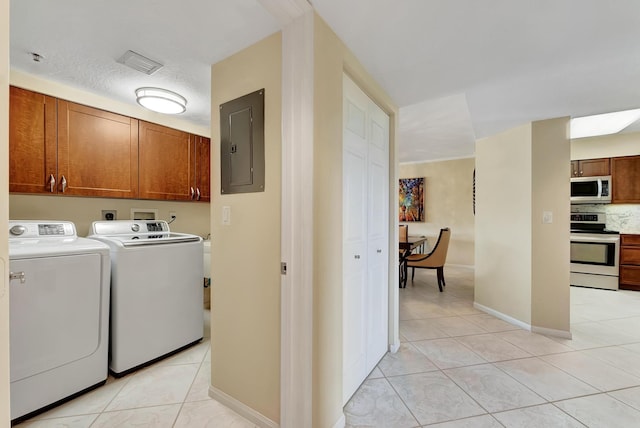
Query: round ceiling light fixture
[[161, 100]]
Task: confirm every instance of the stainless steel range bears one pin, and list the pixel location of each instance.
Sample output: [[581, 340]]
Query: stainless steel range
[[595, 252]]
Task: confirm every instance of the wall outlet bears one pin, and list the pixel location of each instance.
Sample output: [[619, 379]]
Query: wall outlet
[[109, 214], [172, 215]]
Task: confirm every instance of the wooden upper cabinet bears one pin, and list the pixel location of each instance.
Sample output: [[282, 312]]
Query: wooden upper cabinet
[[97, 152], [203, 168], [33, 165], [625, 177], [590, 167], [167, 163]]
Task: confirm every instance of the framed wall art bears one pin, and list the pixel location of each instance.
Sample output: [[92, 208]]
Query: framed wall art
[[411, 199]]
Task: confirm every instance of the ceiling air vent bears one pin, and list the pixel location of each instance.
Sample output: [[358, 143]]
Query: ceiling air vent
[[140, 63]]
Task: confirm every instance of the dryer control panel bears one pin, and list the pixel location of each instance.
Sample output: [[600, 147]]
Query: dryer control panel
[[39, 229]]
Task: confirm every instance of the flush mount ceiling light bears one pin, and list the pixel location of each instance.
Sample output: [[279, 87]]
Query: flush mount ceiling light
[[602, 124], [161, 100]]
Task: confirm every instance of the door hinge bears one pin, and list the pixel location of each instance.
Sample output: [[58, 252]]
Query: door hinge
[[283, 268]]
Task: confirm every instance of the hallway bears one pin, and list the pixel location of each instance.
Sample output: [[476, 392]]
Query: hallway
[[460, 367]]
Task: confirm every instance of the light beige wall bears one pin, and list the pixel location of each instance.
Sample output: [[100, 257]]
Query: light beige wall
[[606, 146], [5, 412], [69, 93], [245, 308], [503, 223], [448, 203], [331, 58], [191, 217], [550, 242]]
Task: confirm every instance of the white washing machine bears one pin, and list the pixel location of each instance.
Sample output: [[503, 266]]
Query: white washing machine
[[156, 291], [59, 314]]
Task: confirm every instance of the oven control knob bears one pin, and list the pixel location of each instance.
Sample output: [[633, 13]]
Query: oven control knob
[[17, 230], [135, 227]]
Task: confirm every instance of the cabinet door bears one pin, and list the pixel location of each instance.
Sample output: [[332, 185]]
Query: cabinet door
[[97, 152], [594, 167], [203, 168], [575, 168], [32, 142], [166, 163], [625, 172]]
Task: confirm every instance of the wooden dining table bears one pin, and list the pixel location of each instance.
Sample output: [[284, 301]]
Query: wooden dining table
[[411, 243]]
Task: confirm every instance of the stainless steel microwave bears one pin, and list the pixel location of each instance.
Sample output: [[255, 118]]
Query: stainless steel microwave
[[591, 190]]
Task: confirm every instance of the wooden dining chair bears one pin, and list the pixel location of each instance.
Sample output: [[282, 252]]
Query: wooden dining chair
[[433, 260]]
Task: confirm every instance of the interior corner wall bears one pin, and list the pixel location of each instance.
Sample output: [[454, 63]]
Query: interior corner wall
[[550, 241], [5, 411], [245, 295], [331, 59], [503, 223], [448, 203]]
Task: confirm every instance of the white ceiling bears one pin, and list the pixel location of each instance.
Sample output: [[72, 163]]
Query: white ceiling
[[459, 69]]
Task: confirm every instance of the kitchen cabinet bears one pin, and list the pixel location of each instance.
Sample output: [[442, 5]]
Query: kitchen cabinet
[[630, 262], [174, 165], [625, 177], [97, 152], [33, 158], [590, 167]]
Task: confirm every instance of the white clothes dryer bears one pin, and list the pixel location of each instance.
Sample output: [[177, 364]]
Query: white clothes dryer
[[59, 314], [156, 291]]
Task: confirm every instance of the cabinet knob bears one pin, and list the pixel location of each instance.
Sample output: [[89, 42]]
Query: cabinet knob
[[193, 192], [63, 183], [52, 183], [197, 193]]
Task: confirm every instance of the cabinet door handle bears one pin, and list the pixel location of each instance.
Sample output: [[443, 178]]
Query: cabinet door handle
[[581, 173], [197, 193], [52, 183], [17, 275], [63, 183], [193, 192]]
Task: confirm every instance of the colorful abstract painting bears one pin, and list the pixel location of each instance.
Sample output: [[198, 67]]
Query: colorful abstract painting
[[411, 199]]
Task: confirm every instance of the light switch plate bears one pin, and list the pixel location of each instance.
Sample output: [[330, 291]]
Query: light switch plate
[[226, 215]]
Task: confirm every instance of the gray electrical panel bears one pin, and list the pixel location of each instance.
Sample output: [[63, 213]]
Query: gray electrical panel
[[242, 144]]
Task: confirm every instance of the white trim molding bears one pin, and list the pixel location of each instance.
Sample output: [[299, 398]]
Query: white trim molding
[[296, 371], [502, 316], [540, 330], [241, 408], [563, 334]]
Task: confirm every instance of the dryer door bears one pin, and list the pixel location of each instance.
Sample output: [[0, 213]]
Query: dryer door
[[54, 313]]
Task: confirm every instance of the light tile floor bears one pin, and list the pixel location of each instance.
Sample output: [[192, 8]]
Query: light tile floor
[[171, 393], [459, 367]]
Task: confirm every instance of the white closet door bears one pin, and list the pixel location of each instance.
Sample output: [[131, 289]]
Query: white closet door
[[365, 236], [378, 237]]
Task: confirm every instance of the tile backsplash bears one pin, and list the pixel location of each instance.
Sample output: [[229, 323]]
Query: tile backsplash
[[624, 218]]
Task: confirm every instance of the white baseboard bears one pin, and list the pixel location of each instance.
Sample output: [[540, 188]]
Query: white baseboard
[[502, 316], [540, 330], [552, 332], [241, 408], [341, 422]]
